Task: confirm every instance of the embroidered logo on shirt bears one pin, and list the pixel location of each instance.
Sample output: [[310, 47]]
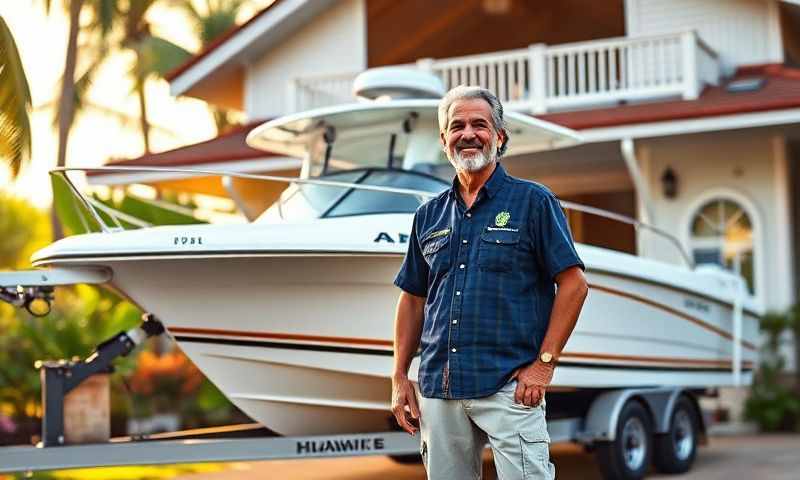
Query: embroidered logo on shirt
[[439, 233], [502, 218]]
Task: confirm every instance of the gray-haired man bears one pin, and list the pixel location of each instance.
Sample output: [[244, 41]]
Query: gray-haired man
[[479, 298]]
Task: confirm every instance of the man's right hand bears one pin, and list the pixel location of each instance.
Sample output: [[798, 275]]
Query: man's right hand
[[404, 404]]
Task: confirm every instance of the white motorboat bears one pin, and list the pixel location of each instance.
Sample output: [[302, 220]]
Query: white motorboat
[[291, 315]]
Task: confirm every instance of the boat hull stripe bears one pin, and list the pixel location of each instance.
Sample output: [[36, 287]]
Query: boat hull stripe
[[672, 311], [685, 363], [281, 336]]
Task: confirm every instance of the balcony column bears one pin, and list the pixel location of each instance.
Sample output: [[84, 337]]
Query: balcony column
[[537, 80], [425, 64], [691, 84]]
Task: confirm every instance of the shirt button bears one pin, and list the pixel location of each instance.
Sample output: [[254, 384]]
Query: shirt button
[[453, 350], [464, 241], [469, 215], [461, 266], [498, 241], [458, 292], [455, 321]]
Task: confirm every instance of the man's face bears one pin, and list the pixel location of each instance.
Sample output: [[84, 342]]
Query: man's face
[[469, 139]]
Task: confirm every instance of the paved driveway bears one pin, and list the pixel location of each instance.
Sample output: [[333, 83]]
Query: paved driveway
[[773, 457]]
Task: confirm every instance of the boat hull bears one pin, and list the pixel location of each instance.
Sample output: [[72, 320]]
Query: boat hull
[[305, 345]]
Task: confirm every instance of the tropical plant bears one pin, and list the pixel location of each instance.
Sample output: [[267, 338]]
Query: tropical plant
[[74, 88], [81, 318], [154, 56], [210, 23], [23, 228], [165, 382], [15, 104], [774, 400]]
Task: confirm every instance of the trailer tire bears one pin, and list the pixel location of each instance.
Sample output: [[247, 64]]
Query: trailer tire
[[410, 459], [675, 450], [628, 456]]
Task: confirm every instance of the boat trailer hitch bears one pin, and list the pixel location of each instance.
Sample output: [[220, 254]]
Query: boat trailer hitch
[[62, 376]]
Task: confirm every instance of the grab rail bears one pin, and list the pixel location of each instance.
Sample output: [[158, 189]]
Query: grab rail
[[93, 206]]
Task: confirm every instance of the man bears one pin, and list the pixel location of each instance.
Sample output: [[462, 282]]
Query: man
[[479, 298]]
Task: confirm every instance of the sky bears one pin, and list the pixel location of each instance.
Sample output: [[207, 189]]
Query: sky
[[109, 129]]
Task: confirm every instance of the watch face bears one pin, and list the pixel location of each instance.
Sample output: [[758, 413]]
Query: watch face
[[546, 357]]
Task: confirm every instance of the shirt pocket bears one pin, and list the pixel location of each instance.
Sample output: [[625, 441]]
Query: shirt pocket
[[497, 250], [436, 252]]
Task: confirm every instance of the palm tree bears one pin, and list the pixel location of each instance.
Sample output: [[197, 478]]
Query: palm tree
[[155, 56], [15, 104], [73, 89], [217, 18]]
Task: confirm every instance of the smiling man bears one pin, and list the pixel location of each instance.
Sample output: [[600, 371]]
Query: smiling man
[[479, 300]]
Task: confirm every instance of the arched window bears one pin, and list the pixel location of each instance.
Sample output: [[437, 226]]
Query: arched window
[[722, 233]]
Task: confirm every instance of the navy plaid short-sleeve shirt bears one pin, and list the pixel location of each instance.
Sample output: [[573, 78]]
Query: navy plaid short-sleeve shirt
[[488, 274]]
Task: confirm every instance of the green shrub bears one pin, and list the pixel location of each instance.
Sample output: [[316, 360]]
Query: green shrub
[[774, 401]]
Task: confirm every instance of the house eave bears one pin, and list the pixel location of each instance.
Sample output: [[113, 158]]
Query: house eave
[[250, 41]]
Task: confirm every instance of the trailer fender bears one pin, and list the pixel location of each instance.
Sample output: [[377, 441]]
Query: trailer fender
[[601, 420]]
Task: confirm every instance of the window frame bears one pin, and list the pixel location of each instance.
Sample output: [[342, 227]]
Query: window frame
[[748, 206]]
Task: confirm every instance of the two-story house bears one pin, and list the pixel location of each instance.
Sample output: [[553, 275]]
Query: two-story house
[[690, 109]]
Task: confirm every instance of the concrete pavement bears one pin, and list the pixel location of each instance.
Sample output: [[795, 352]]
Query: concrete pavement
[[774, 457]]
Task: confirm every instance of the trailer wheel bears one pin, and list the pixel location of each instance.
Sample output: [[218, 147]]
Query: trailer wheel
[[675, 450], [410, 459], [628, 456]]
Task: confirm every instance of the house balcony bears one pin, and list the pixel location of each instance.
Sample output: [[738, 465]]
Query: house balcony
[[544, 78]]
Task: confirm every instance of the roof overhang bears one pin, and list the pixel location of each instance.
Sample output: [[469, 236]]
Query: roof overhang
[[227, 58], [694, 125]]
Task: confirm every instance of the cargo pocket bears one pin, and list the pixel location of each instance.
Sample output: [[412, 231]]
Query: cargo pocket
[[497, 251], [535, 451]]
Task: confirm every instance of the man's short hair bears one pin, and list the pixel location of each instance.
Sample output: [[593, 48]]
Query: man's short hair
[[463, 92]]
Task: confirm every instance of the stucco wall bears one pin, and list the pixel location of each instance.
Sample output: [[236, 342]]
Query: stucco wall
[[749, 167], [334, 42], [741, 31]]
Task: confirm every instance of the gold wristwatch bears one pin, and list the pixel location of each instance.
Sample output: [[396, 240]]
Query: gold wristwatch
[[546, 358]]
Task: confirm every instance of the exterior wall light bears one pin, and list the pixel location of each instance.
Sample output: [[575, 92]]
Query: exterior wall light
[[669, 183]]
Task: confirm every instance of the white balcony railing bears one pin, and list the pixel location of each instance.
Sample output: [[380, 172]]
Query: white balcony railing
[[543, 78]]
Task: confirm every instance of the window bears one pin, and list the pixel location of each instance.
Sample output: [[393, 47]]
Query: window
[[307, 201], [722, 233]]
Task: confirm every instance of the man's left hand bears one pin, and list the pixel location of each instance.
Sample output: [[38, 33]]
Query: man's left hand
[[532, 382]]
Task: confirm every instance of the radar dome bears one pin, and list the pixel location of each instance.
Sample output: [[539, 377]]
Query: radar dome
[[397, 83]]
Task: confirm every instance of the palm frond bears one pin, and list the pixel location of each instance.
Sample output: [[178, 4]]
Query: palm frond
[[105, 14], [15, 103], [217, 19], [159, 56], [217, 24]]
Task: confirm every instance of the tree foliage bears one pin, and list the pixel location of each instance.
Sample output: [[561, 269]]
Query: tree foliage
[[15, 104], [23, 230]]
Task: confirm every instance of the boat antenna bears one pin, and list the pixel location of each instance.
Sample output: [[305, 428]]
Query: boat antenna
[[329, 136]]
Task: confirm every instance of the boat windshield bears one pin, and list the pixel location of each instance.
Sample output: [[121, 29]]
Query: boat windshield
[[308, 201]]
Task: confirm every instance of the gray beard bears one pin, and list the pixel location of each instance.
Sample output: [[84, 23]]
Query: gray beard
[[473, 163]]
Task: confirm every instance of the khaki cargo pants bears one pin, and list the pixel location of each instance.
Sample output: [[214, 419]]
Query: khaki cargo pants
[[454, 433]]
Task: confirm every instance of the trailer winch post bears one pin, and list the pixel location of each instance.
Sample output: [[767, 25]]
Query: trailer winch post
[[62, 376]]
